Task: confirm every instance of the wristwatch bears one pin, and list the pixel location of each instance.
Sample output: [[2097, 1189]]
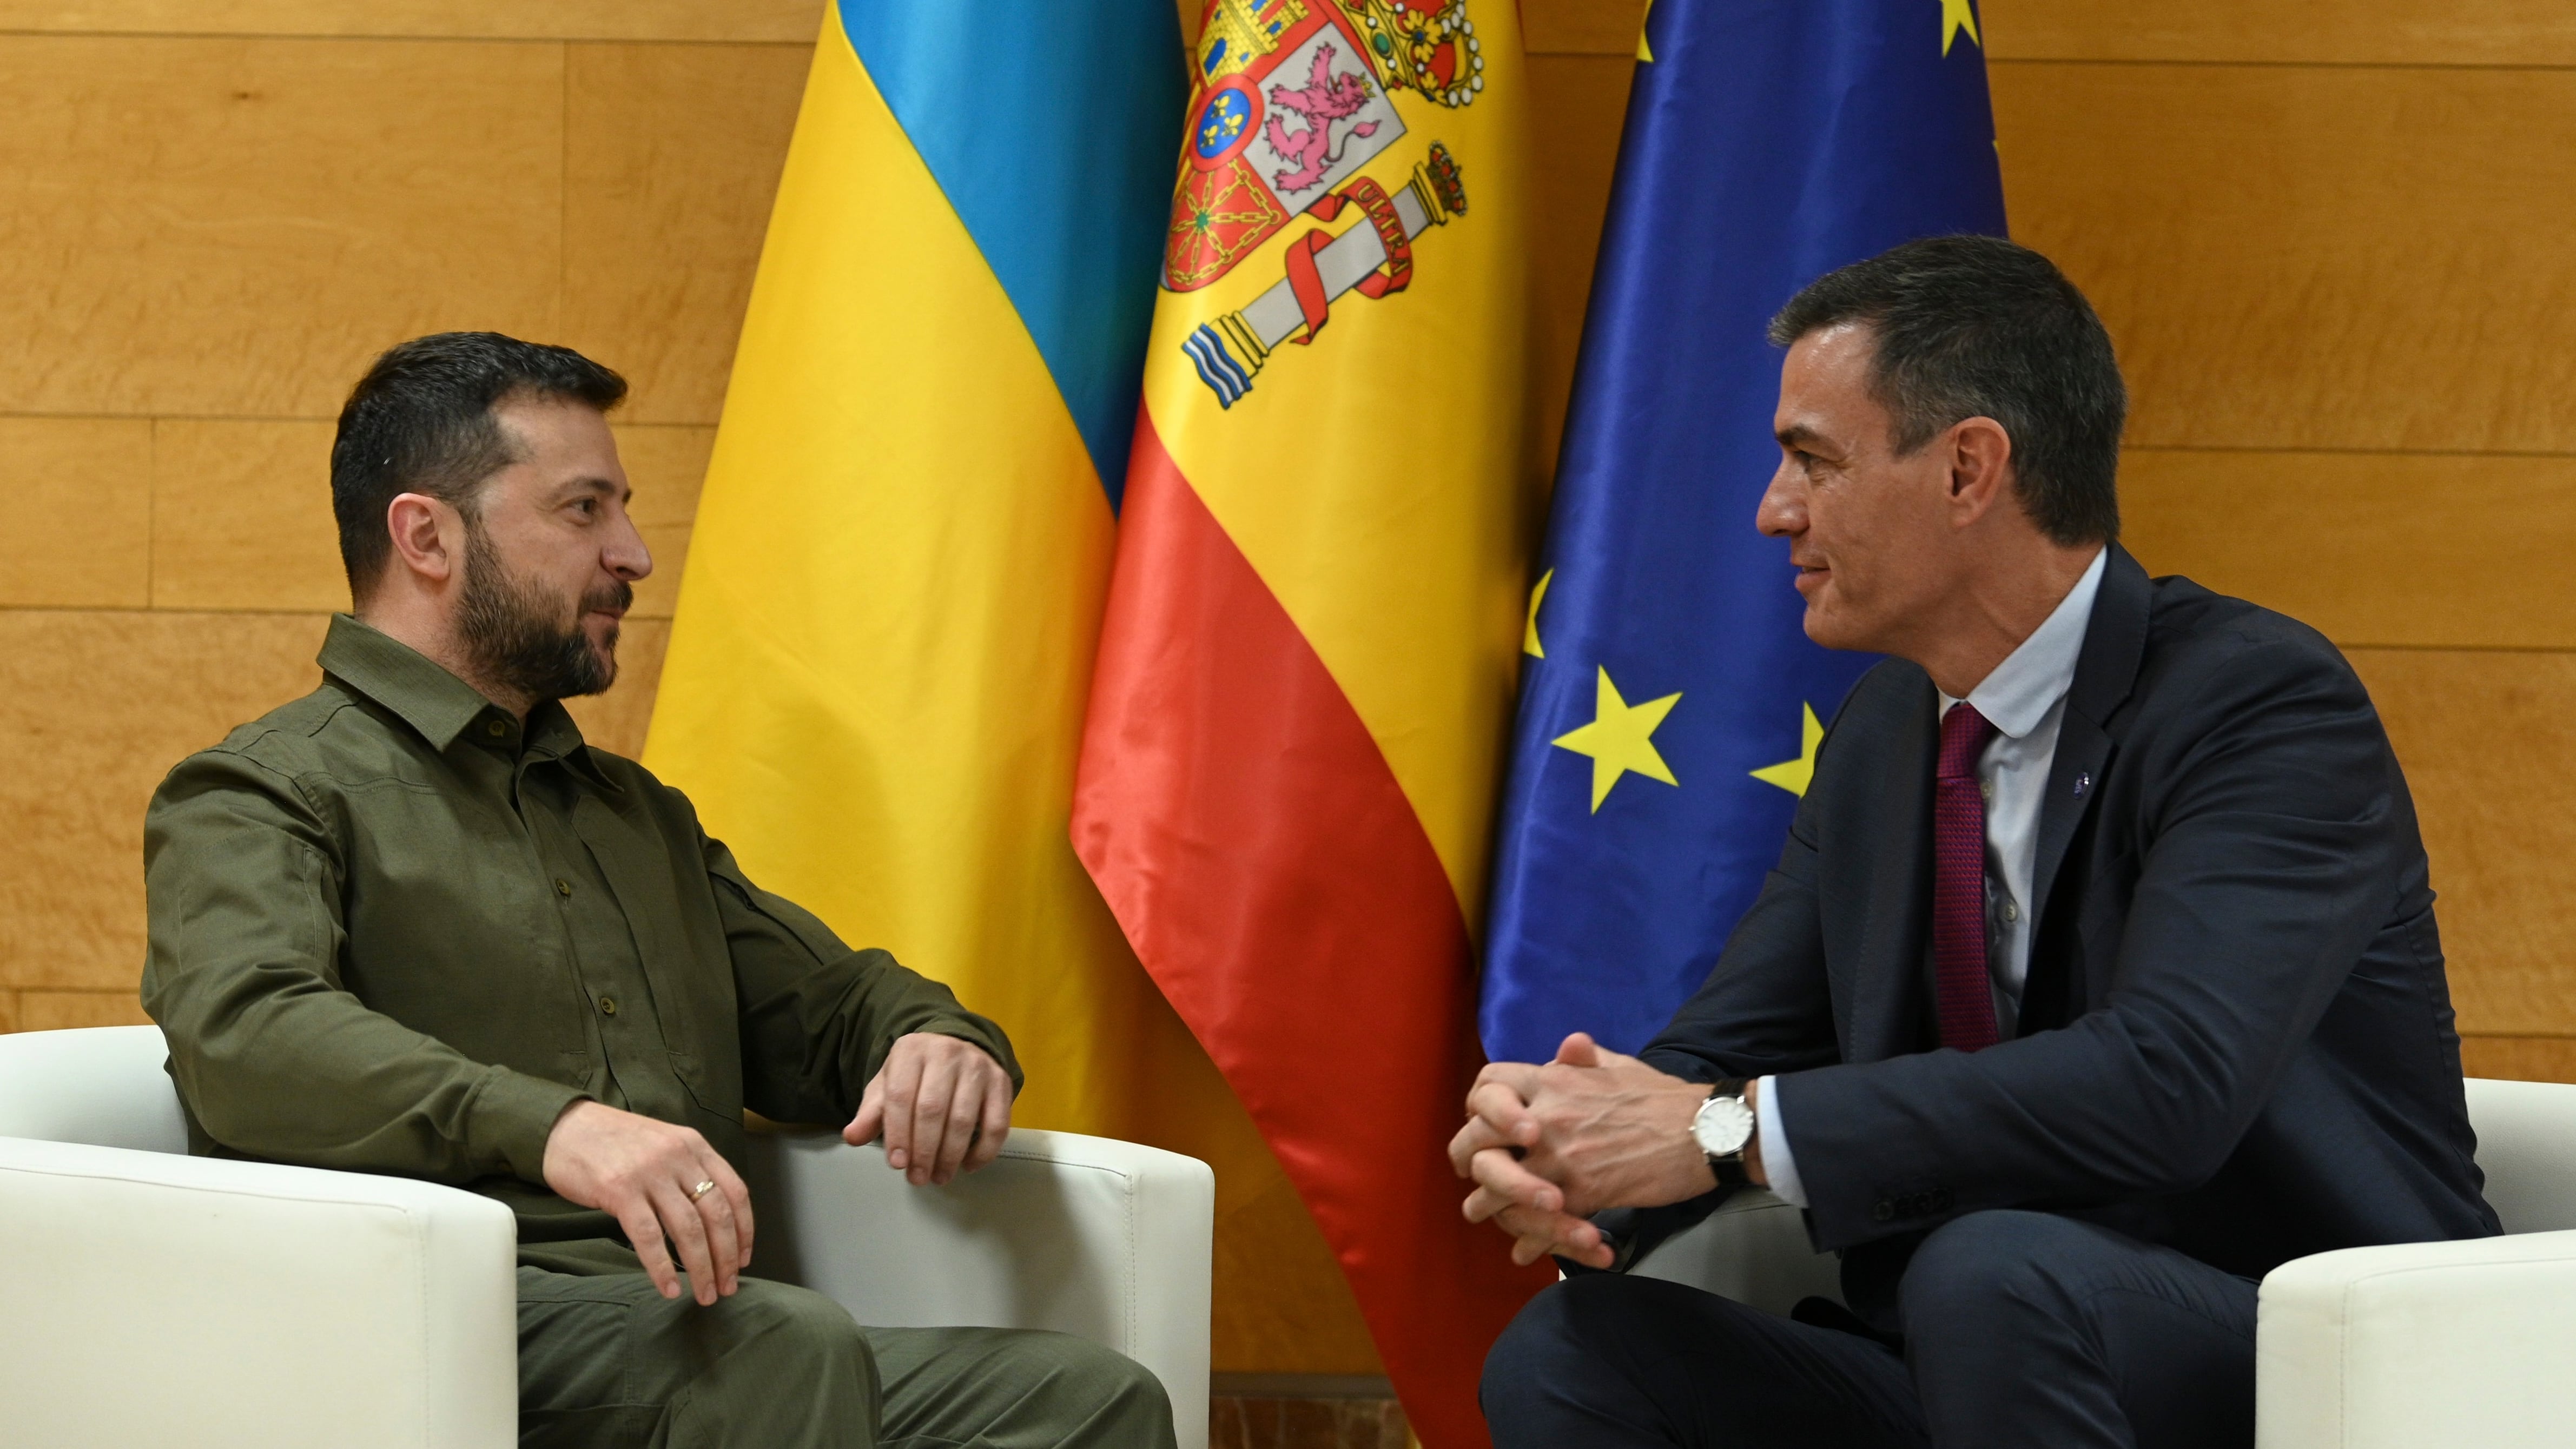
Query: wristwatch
[[1723, 1128]]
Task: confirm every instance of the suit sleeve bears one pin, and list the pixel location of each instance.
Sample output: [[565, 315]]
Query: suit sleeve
[[274, 1058], [817, 1017], [2271, 842]]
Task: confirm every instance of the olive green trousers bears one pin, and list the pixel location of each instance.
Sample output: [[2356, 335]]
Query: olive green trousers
[[605, 1360]]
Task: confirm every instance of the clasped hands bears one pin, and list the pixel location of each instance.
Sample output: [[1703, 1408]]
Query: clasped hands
[[1547, 1145], [942, 1104]]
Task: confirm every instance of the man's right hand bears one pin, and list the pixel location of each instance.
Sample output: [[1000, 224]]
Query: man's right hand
[[643, 1172]]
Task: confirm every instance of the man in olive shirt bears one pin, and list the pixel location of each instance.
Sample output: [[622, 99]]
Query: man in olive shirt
[[411, 923]]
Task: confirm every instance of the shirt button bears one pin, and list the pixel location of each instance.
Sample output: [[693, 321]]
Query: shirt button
[[563, 887], [608, 1006], [2012, 912], [496, 729]]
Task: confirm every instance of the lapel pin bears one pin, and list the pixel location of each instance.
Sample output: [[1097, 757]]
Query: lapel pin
[[2083, 782]]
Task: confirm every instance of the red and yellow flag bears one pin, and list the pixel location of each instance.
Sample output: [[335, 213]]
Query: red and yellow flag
[[1305, 674]]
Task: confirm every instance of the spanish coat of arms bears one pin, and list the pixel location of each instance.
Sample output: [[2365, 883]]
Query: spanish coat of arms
[[1291, 98]]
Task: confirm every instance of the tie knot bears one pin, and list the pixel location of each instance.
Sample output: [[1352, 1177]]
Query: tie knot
[[1964, 736]]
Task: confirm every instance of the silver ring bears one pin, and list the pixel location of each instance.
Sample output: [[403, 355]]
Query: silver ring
[[702, 1189]]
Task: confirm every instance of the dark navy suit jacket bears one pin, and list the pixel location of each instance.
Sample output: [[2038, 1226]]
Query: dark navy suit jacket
[[2236, 1038]]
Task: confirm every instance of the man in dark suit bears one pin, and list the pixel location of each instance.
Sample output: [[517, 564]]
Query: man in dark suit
[[2098, 975]]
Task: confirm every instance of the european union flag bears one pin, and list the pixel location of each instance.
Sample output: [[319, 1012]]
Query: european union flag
[[1669, 707]]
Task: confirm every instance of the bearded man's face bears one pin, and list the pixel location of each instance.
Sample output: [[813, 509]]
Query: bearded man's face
[[550, 556], [530, 637]]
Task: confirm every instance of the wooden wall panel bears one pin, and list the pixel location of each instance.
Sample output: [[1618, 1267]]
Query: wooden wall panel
[[2315, 32], [242, 517], [62, 1010], [94, 709], [2424, 549], [616, 721], [1583, 27], [776, 20], [76, 494], [2312, 257], [1585, 100], [664, 465], [671, 156], [2485, 738], [2520, 1058], [234, 227]]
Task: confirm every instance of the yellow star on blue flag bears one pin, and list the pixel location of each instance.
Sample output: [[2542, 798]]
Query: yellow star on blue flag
[[1620, 739], [1958, 15], [1793, 775]]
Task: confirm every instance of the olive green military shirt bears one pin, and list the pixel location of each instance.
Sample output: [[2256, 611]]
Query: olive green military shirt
[[393, 931]]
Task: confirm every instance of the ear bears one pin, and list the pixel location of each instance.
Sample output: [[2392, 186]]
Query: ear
[[428, 537], [1981, 471]]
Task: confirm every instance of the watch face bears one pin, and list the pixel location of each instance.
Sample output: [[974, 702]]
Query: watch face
[[1723, 1126]]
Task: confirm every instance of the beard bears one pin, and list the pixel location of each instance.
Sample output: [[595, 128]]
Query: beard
[[516, 633]]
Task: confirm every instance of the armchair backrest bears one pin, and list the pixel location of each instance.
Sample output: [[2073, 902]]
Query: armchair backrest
[[103, 1085]]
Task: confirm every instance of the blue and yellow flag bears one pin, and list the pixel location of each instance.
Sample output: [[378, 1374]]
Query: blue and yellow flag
[[874, 691], [1670, 700]]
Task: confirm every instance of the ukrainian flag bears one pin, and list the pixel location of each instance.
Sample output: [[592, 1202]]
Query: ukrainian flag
[[874, 690]]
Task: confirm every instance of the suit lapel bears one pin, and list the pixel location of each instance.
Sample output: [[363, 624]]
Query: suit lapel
[[2107, 669], [1881, 978]]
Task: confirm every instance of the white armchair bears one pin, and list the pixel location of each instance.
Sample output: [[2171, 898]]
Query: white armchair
[[2367, 1348], [160, 1298]]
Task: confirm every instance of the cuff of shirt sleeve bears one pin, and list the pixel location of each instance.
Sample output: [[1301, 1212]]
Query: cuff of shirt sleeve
[[514, 1114], [1778, 1163]]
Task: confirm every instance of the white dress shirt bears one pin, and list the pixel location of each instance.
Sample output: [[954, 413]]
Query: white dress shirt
[[2025, 699]]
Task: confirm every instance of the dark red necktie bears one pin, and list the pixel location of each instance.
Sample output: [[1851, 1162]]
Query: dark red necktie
[[1966, 999]]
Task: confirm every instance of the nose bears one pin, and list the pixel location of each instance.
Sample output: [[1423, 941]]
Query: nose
[[1782, 513], [626, 556]]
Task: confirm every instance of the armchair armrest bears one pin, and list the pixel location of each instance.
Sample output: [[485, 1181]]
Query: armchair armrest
[[1753, 1249], [1111, 1241], [159, 1299], [2420, 1343]]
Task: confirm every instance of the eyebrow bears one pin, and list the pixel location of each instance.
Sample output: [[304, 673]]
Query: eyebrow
[[594, 484], [1796, 434]]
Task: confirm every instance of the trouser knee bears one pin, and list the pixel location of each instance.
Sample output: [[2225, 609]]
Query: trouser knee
[[1978, 1274], [796, 1331]]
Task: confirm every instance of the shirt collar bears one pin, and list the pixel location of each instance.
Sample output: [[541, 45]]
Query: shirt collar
[[2034, 677], [438, 704]]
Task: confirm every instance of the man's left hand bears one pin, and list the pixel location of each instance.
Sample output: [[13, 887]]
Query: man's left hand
[[942, 1104], [1549, 1145]]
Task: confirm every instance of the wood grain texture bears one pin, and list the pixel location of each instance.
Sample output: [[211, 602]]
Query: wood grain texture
[[1583, 27], [2296, 257], [76, 497], [2439, 550], [2331, 32], [671, 158], [65, 1010], [771, 20], [2485, 739], [1585, 101], [616, 721], [241, 517], [233, 228], [2520, 1058], [94, 709], [665, 464]]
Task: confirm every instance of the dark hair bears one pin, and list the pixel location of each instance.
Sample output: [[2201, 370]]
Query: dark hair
[[421, 421], [1974, 326]]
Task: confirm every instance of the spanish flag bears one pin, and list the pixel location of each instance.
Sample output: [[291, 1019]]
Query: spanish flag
[[886, 627], [1306, 672]]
